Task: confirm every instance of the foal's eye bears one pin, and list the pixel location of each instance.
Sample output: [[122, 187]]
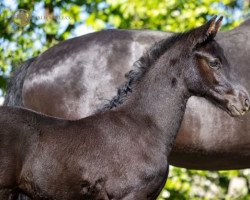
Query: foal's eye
[[215, 64]]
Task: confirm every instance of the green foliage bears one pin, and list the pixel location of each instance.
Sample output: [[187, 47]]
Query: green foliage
[[203, 185], [53, 21], [167, 15], [50, 22]]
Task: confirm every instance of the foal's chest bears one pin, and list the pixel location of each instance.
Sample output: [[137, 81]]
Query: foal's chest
[[143, 181]]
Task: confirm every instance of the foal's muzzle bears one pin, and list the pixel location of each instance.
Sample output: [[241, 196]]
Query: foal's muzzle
[[239, 103]]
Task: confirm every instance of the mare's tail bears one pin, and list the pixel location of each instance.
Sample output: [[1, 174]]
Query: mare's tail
[[15, 85]]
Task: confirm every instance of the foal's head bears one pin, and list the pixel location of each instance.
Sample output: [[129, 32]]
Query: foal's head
[[206, 70]]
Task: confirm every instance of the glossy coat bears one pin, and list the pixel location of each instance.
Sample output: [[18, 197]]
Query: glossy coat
[[119, 153], [77, 76]]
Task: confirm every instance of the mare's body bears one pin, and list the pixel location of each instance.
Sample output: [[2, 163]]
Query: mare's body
[[119, 153]]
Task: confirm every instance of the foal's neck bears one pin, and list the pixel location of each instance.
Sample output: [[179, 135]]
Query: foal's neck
[[161, 95]]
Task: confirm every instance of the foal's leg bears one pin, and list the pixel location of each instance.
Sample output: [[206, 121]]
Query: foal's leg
[[7, 184], [6, 190], [23, 197], [142, 194], [135, 196], [7, 194]]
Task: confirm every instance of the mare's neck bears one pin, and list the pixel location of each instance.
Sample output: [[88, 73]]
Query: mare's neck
[[162, 97]]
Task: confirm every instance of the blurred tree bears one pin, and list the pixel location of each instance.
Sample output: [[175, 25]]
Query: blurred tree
[[52, 21], [167, 15], [202, 185]]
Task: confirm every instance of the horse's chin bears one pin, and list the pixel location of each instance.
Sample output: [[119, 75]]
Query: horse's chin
[[233, 114], [233, 108], [230, 110], [233, 111]]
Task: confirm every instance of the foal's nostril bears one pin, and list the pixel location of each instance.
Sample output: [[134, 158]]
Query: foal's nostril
[[247, 104]]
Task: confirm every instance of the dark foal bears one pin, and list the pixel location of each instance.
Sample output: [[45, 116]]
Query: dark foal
[[121, 153]]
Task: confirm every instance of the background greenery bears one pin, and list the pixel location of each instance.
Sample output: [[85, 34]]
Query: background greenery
[[53, 21]]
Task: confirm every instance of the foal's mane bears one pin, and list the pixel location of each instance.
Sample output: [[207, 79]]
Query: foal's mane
[[140, 67]]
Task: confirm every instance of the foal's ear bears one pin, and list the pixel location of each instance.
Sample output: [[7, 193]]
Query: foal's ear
[[206, 31]]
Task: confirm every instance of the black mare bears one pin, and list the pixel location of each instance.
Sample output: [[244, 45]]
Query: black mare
[[76, 77], [119, 153]]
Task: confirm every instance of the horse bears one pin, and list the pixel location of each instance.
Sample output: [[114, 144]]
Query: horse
[[76, 77], [120, 152]]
